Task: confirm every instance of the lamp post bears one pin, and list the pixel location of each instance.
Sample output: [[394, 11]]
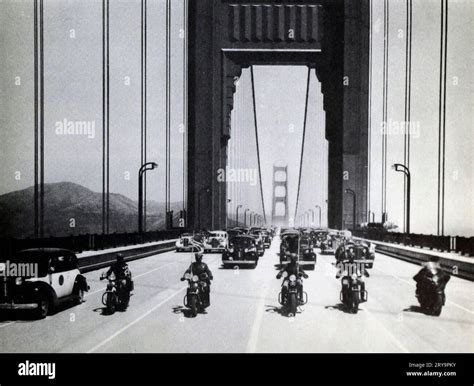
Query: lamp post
[[252, 213], [237, 215], [312, 216], [206, 190], [319, 208], [245, 217], [226, 214], [143, 169], [406, 171], [350, 191]]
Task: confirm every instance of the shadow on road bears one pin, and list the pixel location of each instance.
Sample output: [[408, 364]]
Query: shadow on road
[[415, 309], [283, 311], [340, 307], [186, 312]]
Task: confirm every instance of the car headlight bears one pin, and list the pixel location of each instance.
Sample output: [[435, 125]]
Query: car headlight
[[18, 281], [195, 278]]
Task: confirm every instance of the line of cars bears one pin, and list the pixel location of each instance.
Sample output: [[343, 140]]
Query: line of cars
[[239, 246]]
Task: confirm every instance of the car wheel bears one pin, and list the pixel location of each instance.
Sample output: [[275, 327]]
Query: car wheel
[[43, 306]]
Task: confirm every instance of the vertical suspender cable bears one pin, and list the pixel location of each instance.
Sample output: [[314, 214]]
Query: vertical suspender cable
[[144, 100], [103, 116], [385, 103], [108, 120], [36, 157], [442, 114], [302, 141], [406, 146], [168, 62], [369, 128], [41, 203], [258, 148], [185, 106]]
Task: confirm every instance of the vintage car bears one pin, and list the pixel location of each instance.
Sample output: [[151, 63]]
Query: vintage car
[[330, 244], [41, 279], [289, 244], [215, 241], [259, 238], [267, 239], [358, 250], [319, 237], [307, 256], [241, 250], [186, 243]]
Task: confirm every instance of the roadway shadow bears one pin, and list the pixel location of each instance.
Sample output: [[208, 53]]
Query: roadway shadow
[[186, 312], [415, 309], [245, 267], [340, 307], [283, 311]]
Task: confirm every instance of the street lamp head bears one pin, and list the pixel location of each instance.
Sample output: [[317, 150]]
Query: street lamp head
[[154, 165]]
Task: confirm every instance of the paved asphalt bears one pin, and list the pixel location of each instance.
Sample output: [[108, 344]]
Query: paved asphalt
[[245, 316]]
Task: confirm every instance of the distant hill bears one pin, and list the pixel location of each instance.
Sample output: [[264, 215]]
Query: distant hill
[[65, 201]]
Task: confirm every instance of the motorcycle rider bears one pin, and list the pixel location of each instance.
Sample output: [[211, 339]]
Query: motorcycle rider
[[345, 257], [430, 270], [292, 268], [198, 267], [122, 273]]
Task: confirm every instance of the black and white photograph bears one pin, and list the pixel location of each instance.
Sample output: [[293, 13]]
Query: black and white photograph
[[237, 177]]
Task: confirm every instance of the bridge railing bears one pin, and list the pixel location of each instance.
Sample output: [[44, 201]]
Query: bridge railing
[[458, 244], [87, 242]]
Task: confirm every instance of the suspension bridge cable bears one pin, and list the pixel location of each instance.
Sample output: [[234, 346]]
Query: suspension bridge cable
[[168, 108], [442, 115], [384, 110], [406, 146], [369, 135], [185, 92], [41, 127], [36, 136], [303, 139], [256, 140], [144, 100]]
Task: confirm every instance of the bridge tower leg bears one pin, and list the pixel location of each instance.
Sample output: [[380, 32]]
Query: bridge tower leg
[[280, 220]]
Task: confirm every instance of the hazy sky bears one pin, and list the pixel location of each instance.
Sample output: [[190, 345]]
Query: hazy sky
[[73, 91]]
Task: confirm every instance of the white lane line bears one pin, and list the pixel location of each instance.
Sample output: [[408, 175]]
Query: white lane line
[[252, 343], [123, 329], [387, 331], [414, 286], [6, 324], [136, 277]]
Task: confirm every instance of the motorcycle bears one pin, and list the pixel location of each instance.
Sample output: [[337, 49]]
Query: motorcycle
[[430, 294], [197, 294], [292, 298], [353, 292], [117, 293]]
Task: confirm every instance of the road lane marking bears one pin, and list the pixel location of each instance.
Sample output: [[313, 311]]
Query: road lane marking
[[123, 329], [6, 324], [389, 333], [252, 343], [413, 285]]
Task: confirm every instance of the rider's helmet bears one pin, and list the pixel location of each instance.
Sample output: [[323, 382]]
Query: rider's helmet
[[198, 257]]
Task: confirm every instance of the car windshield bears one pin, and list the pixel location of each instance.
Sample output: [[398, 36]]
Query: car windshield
[[37, 260], [242, 242]]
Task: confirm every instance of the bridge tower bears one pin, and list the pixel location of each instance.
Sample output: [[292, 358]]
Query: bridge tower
[[279, 184], [329, 36]]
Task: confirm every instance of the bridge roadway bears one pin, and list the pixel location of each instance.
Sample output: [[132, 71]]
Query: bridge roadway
[[245, 315]]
